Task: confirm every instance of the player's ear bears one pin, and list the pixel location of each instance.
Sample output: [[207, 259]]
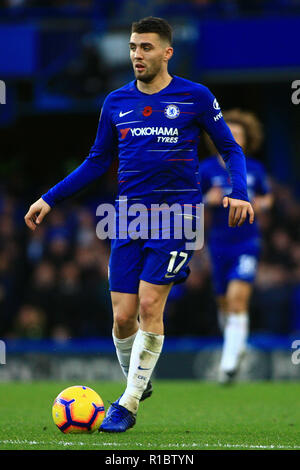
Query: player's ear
[[168, 52]]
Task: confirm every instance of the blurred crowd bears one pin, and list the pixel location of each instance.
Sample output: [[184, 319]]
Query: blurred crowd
[[124, 6], [53, 281]]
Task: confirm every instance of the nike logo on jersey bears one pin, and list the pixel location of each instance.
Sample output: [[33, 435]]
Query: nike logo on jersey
[[169, 275], [142, 368], [124, 114]]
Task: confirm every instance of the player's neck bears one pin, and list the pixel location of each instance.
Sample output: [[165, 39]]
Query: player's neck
[[157, 84]]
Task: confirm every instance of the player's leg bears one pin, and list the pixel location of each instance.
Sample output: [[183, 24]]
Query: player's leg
[[220, 263], [125, 326], [153, 299], [148, 342], [236, 328], [165, 262], [222, 311], [124, 271], [159, 265], [145, 352]]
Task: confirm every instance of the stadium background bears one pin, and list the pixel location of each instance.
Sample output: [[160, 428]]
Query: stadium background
[[58, 60]]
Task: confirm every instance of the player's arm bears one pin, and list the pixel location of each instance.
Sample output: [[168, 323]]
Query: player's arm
[[211, 119], [97, 163]]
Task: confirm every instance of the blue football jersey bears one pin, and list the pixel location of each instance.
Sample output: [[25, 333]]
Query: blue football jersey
[[213, 174], [156, 138]]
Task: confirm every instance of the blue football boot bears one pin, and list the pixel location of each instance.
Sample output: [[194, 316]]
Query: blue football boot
[[119, 420]]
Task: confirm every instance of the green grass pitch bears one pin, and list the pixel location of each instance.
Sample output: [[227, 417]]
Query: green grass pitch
[[185, 415]]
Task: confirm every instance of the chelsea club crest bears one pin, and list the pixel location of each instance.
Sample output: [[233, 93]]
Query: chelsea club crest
[[172, 111]]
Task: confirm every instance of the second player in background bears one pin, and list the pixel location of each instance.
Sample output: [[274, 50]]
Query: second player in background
[[234, 253]]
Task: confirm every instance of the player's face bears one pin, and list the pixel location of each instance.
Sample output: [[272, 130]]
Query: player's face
[[238, 133], [149, 55]]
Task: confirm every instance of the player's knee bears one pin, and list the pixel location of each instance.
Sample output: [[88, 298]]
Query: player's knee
[[123, 320], [149, 304], [237, 304]]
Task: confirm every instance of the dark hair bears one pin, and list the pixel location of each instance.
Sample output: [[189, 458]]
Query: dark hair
[[152, 24], [253, 129]]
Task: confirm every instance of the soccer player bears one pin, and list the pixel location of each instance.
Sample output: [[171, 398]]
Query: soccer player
[[153, 124], [234, 253]]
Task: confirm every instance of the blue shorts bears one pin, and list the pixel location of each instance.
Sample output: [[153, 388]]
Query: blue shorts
[[233, 261], [157, 261]]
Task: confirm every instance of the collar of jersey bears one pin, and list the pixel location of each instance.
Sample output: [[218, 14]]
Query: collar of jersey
[[163, 90]]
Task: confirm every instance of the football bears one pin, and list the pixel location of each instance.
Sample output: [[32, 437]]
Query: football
[[78, 409]]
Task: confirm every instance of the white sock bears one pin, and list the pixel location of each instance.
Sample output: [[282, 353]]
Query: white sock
[[123, 350], [145, 352], [222, 319], [235, 339]]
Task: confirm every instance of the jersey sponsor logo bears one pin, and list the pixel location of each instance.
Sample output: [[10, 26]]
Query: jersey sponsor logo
[[124, 132], [138, 131], [216, 104], [218, 116], [164, 134], [121, 114], [172, 111]]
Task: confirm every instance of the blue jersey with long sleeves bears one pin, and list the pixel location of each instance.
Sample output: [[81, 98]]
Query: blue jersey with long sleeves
[[213, 174], [156, 138]]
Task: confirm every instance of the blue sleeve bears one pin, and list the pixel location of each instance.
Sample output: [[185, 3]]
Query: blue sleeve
[[97, 162], [261, 185], [212, 121]]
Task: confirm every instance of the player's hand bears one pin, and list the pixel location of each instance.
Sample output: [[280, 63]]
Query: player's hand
[[36, 213], [238, 211], [214, 196]]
